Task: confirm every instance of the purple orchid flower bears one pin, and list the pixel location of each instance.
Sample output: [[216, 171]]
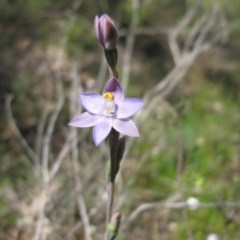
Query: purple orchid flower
[[106, 31], [107, 111]]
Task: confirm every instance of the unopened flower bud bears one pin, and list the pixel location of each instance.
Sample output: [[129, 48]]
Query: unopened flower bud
[[114, 225], [106, 31], [193, 203], [212, 236]]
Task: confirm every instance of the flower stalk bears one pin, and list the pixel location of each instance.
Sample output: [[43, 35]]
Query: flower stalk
[[109, 114], [116, 146], [112, 57]]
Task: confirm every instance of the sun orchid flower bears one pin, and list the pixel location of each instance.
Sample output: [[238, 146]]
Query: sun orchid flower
[[107, 111], [106, 31]]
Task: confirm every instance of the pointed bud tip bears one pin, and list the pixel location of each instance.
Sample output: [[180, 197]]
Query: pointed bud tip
[[106, 31]]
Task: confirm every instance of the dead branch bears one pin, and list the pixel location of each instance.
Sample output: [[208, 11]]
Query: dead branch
[[201, 38], [176, 205], [130, 44], [74, 107], [51, 125], [29, 152]]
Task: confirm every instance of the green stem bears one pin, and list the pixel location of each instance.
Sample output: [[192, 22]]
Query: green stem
[[113, 145], [111, 173], [110, 191]]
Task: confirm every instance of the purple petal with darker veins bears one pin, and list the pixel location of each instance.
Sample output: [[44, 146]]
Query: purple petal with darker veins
[[84, 120], [92, 102], [115, 88], [101, 130], [128, 107], [126, 127]]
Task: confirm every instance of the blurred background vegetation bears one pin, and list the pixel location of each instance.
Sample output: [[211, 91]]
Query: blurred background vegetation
[[193, 135]]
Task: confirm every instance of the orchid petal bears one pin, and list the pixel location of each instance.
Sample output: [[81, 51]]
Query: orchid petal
[[101, 130], [126, 127], [84, 120], [115, 88], [128, 107], [92, 102]]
